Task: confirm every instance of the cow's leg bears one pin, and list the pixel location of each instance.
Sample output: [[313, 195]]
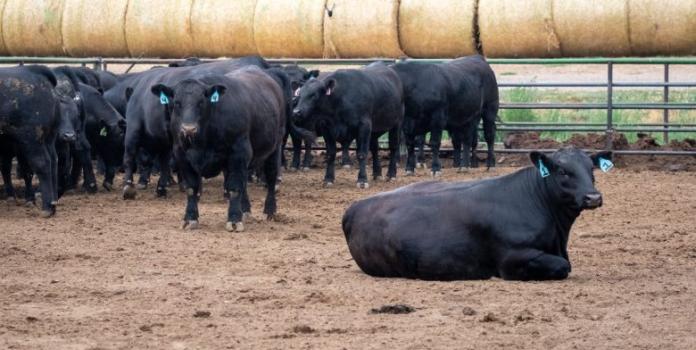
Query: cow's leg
[[38, 157], [533, 264], [6, 169], [283, 160], [130, 153], [394, 152], [376, 164], [435, 141], [165, 174], [193, 190], [73, 179], [330, 176], [65, 164], [24, 170], [420, 157], [346, 163], [270, 169], [307, 160], [84, 154], [236, 183], [474, 146], [363, 143], [457, 150], [296, 152], [411, 157], [490, 113]]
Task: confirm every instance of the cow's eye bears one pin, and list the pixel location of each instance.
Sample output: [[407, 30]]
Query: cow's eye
[[562, 172]]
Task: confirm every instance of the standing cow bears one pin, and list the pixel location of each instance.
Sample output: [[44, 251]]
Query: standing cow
[[226, 124], [515, 226], [360, 104]]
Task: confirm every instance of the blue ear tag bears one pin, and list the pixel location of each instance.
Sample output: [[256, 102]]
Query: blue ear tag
[[103, 132], [164, 99], [215, 97], [605, 165], [543, 170]]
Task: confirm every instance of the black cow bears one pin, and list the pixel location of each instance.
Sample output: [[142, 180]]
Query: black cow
[[226, 124], [148, 121], [453, 96], [359, 104], [29, 119], [515, 226]]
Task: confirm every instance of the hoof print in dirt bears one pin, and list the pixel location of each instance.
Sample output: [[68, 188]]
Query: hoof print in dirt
[[201, 314], [395, 309], [303, 329], [468, 311]]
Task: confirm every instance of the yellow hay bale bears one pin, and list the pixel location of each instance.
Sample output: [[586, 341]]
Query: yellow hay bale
[[33, 27], [362, 28], [159, 28], [289, 28], [514, 28], [442, 28], [661, 28], [592, 27], [3, 48], [95, 28], [223, 27]]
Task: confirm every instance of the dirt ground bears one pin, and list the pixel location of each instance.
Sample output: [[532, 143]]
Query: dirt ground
[[110, 274]]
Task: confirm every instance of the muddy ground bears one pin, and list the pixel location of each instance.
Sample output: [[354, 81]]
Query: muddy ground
[[109, 274]]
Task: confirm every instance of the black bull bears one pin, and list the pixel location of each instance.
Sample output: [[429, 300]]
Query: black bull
[[515, 226]]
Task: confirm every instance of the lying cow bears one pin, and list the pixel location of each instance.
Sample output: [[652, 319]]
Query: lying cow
[[226, 124], [515, 226]]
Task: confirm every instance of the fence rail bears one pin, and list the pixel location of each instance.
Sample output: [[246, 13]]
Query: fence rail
[[609, 128]]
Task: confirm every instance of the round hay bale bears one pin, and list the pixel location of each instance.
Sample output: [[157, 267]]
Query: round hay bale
[[514, 28], [592, 27], [289, 28], [159, 28], [3, 48], [362, 28], [95, 28], [223, 28], [33, 28], [443, 28], [661, 29]]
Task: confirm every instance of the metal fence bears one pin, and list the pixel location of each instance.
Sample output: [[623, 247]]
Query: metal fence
[[609, 128]]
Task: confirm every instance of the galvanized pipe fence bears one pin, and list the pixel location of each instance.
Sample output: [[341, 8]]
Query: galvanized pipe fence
[[609, 128]]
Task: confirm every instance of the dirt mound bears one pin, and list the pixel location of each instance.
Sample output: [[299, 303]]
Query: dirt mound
[[521, 140], [597, 141], [645, 142]]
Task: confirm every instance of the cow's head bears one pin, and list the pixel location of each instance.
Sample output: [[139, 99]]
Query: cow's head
[[311, 96], [568, 176], [70, 124], [111, 123], [189, 103]]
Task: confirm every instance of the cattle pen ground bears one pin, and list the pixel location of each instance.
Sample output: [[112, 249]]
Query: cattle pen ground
[[112, 274]]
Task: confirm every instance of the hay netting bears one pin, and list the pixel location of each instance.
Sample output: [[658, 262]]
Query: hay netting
[[223, 28], [514, 28], [33, 28], [3, 48], [592, 27], [95, 28], [443, 28], [362, 28], [661, 28], [289, 28], [159, 28]]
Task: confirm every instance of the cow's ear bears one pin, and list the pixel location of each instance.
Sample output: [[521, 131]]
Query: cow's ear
[[295, 87], [165, 93], [543, 163], [215, 92], [603, 160], [129, 93], [312, 74], [330, 86]]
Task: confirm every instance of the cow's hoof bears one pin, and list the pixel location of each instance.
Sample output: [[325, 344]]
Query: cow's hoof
[[410, 173], [47, 213], [246, 216], [226, 195], [190, 225], [108, 186], [420, 165], [363, 185], [378, 178], [161, 192], [277, 188], [141, 186], [347, 166], [328, 183], [293, 169], [305, 169], [463, 170], [30, 203], [91, 188], [129, 192], [279, 179], [391, 179], [234, 226], [436, 173]]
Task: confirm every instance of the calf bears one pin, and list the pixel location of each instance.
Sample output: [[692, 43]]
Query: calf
[[29, 119], [453, 96], [226, 124], [515, 226], [359, 104]]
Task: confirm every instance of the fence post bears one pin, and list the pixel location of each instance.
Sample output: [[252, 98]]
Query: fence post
[[610, 106], [665, 99]]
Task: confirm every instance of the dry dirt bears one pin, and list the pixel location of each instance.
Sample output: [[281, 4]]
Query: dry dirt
[[109, 274]]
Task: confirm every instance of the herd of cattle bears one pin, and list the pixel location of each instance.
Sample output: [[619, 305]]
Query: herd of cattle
[[234, 117]]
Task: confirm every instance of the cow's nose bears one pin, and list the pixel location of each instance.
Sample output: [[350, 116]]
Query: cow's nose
[[592, 200], [189, 129], [297, 113], [69, 136]]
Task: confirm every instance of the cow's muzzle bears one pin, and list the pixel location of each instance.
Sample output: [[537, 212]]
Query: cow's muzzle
[[188, 130], [592, 201], [68, 137]]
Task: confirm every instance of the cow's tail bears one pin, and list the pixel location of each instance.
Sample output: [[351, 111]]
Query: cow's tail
[[305, 134]]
